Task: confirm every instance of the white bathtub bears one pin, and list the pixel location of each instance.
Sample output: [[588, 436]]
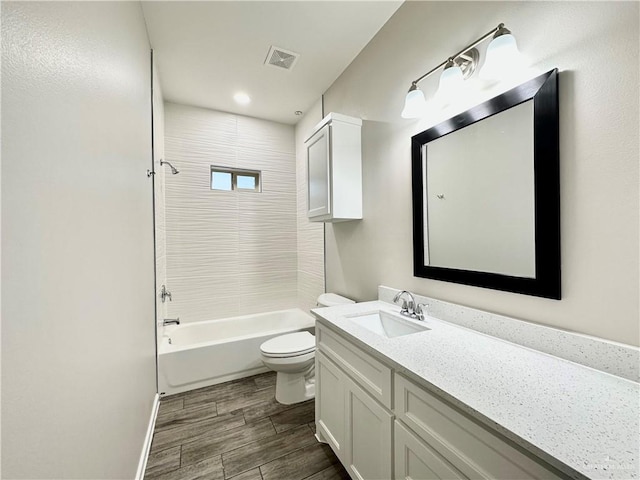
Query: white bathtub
[[196, 355]]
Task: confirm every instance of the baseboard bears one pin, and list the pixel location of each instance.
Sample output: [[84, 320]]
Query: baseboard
[[142, 464]]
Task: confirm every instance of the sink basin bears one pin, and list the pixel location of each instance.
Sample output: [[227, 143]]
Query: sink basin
[[386, 324]]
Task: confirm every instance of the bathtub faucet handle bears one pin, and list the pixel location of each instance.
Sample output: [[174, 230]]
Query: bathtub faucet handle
[[164, 293], [171, 321]]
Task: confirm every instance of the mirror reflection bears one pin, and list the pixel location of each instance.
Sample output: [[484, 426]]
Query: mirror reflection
[[479, 196]]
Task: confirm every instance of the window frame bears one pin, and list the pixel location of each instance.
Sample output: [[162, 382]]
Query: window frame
[[235, 173]]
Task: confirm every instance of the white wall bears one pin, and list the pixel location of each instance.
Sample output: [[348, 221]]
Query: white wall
[[595, 46], [229, 253], [78, 367], [310, 234]]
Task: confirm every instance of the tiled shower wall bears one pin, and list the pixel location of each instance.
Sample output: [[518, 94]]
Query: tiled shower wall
[[310, 234], [229, 253]]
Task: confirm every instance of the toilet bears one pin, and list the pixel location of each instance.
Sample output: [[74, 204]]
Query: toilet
[[292, 356]]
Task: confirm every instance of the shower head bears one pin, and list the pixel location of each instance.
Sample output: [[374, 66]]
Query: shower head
[[174, 170]]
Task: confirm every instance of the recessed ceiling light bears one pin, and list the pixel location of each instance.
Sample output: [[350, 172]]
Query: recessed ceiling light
[[242, 98]]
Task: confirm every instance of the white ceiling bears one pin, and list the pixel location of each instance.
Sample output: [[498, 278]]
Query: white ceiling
[[207, 51]]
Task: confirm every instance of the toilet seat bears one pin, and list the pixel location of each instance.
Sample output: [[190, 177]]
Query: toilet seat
[[290, 345]]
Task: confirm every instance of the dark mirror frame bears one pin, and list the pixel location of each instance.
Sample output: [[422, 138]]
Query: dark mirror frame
[[546, 162]]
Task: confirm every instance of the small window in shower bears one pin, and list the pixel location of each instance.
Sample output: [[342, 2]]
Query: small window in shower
[[228, 179]]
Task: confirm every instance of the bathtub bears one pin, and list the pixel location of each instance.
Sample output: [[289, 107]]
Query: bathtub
[[196, 355]]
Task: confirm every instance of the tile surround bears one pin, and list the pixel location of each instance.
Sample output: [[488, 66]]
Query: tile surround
[[223, 254]]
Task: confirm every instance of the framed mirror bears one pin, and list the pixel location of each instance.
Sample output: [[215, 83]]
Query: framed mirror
[[486, 193]]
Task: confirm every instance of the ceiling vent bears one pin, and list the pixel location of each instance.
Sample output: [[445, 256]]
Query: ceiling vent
[[281, 58]]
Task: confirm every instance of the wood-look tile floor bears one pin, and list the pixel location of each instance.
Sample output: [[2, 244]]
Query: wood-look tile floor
[[237, 430]]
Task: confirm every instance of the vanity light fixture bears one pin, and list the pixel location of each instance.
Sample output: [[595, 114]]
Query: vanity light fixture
[[502, 53]]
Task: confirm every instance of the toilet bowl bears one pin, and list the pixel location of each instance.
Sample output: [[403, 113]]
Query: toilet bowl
[[292, 357]]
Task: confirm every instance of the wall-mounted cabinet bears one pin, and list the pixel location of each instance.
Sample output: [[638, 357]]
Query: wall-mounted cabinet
[[334, 170]]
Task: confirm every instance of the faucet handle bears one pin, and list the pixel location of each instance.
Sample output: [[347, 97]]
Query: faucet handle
[[404, 308], [421, 310], [164, 293]]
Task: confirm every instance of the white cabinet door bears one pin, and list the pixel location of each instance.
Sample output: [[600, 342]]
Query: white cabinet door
[[368, 442], [319, 174], [415, 460], [330, 397]]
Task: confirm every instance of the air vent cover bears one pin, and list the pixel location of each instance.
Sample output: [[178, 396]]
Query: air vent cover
[[281, 58]]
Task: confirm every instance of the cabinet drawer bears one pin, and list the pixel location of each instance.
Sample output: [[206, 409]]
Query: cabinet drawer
[[372, 375], [415, 460], [471, 448]]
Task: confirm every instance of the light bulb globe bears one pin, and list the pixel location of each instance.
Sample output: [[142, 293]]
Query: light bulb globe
[[451, 81], [502, 57], [414, 104]]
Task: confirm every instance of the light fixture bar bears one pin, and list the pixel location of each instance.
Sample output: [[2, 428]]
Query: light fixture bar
[[464, 50]]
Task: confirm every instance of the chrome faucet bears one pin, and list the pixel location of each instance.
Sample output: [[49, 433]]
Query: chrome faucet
[[164, 293], [171, 321], [407, 306]]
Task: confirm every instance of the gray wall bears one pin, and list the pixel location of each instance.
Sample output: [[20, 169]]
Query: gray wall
[[78, 366], [595, 46]]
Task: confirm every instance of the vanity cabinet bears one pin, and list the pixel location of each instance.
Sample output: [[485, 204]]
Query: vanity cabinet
[[452, 444], [356, 425], [404, 432], [334, 170]]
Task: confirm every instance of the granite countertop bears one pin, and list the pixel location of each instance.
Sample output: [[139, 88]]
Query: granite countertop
[[582, 421]]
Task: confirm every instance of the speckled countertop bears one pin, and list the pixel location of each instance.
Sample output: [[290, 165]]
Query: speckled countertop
[[580, 420]]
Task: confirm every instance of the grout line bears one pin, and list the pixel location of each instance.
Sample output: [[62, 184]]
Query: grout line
[[284, 455], [273, 425]]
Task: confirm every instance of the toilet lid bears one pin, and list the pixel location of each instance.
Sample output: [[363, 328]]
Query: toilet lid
[[289, 345]]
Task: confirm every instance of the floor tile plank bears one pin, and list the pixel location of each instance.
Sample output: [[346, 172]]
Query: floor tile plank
[[334, 472], [220, 392], [208, 469], [300, 463], [301, 414], [169, 404], [265, 450], [162, 461], [265, 408], [246, 399], [187, 415], [194, 431], [265, 380], [226, 441], [248, 475]]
